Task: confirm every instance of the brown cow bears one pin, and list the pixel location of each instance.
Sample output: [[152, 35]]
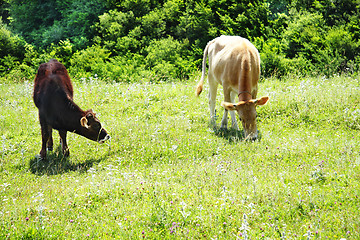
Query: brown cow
[[53, 96], [235, 64]]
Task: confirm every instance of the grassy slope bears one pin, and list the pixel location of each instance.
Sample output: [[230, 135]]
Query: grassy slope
[[165, 174]]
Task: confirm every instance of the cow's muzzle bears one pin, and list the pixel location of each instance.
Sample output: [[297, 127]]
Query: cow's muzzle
[[252, 136], [107, 137]]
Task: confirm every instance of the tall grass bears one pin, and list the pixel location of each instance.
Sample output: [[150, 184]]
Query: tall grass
[[166, 175]]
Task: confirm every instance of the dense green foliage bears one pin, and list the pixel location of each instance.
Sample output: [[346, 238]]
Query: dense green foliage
[[165, 175], [164, 40], [44, 22]]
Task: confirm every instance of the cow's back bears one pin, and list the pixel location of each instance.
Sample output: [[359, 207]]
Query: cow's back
[[231, 56], [51, 78]]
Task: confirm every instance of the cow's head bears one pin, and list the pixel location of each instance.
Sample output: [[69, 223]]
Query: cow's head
[[92, 128], [247, 114]]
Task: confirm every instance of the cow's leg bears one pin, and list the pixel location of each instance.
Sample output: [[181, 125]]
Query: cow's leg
[[50, 140], [227, 98], [213, 86], [224, 120], [64, 147], [234, 124], [44, 137]]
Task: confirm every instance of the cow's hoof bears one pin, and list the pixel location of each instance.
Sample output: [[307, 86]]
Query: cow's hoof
[[39, 158], [235, 127], [66, 153], [212, 121], [43, 154]]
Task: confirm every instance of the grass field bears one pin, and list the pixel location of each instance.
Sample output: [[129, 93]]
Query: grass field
[[166, 174]]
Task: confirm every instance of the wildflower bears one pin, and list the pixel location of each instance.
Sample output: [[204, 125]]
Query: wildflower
[[27, 218], [71, 220], [244, 226]]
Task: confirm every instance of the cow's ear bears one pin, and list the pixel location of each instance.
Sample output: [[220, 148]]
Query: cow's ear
[[84, 122], [229, 106], [90, 115], [261, 101]]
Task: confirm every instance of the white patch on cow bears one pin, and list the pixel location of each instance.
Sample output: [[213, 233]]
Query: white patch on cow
[[107, 137]]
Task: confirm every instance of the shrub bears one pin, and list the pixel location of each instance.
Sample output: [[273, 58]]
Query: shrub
[[112, 29], [123, 69], [63, 52], [46, 22], [21, 73], [305, 35], [12, 49], [90, 61], [165, 59]]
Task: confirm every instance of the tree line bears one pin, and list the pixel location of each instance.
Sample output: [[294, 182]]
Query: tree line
[[162, 40]]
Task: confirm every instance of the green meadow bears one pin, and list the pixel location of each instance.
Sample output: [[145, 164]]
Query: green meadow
[[166, 174]]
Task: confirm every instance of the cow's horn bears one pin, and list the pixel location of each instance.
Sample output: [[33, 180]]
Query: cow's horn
[[83, 122]]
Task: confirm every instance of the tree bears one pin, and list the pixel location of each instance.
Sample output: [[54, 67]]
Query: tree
[[4, 11], [42, 22], [12, 47]]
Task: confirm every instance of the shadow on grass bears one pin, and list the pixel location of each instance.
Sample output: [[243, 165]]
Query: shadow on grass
[[232, 135], [55, 163]]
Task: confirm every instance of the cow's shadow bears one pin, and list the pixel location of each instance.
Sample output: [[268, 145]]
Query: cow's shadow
[[230, 134], [55, 163]]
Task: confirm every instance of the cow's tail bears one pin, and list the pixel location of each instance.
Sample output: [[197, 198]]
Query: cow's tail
[[200, 85]]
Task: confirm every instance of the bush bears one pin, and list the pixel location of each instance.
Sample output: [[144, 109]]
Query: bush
[[90, 61], [47, 22], [325, 50], [63, 52], [21, 73], [165, 59], [112, 29], [164, 40], [12, 49], [123, 69], [305, 35]]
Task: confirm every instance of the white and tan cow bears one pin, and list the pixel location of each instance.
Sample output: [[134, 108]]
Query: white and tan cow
[[234, 63]]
